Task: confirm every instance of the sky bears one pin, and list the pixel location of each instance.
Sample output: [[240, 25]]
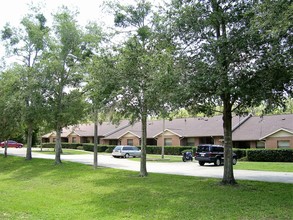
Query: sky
[[89, 10], [13, 10]]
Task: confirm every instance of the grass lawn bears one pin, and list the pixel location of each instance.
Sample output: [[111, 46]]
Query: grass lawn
[[38, 189], [265, 166], [158, 158], [65, 151]]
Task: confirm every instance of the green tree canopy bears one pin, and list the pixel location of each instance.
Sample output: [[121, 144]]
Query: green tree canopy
[[227, 61]]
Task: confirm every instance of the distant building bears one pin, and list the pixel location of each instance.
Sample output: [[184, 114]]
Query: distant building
[[274, 131]]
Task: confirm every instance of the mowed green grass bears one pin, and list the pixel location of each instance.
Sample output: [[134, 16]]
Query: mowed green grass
[[38, 189], [265, 166]]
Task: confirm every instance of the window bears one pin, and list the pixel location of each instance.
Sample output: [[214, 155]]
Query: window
[[190, 141], [130, 142], [260, 144], [206, 140], [284, 144], [168, 141], [54, 140], [73, 139]]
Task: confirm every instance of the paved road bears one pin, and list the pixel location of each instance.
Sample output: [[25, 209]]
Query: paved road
[[180, 168]]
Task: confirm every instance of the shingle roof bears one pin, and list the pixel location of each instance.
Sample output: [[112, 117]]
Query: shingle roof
[[87, 130], [184, 127], [257, 127]]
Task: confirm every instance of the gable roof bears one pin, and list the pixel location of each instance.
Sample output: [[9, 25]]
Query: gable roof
[[281, 129], [255, 128]]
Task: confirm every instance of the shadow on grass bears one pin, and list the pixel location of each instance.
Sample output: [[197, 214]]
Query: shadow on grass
[[21, 169]]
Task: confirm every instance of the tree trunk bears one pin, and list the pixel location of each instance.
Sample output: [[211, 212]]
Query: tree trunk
[[163, 138], [143, 169], [5, 148], [29, 143], [228, 177], [58, 146], [96, 141]]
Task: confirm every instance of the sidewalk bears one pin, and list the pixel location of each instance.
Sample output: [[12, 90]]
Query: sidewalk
[[180, 168]]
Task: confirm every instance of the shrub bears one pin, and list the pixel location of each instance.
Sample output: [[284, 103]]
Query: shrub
[[64, 145], [101, 147], [70, 145], [48, 145], [240, 153], [283, 155], [169, 150]]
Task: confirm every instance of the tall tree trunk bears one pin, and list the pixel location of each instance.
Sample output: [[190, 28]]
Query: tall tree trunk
[[29, 143], [163, 140], [58, 146], [228, 177], [96, 141], [143, 169]]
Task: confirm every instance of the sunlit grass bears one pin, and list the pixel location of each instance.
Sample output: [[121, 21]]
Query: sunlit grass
[[265, 166], [64, 151], [158, 158], [38, 189]]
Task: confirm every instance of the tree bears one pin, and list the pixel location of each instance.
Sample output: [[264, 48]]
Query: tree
[[10, 107], [27, 43], [226, 61], [64, 98], [144, 69]]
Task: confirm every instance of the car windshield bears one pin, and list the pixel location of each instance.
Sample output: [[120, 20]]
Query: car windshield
[[203, 149], [118, 148]]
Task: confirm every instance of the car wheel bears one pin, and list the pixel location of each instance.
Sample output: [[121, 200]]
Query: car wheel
[[183, 159], [126, 155], [218, 162], [201, 163], [234, 161]]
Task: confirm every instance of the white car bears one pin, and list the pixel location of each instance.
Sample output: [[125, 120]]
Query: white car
[[126, 151]]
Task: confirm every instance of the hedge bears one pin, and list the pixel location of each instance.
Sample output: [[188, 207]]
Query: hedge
[[101, 148], [64, 145], [271, 155], [240, 152]]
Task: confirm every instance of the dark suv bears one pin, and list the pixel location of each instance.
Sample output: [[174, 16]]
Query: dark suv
[[208, 153]]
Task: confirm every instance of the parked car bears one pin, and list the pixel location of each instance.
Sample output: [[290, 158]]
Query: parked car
[[208, 153], [126, 151], [11, 143]]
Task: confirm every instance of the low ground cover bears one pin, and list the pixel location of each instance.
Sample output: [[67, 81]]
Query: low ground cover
[[38, 189]]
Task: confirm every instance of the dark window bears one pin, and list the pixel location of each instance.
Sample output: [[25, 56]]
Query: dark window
[[206, 140], [129, 141]]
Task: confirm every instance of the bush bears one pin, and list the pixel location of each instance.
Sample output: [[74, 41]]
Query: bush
[[169, 150], [283, 155], [64, 145], [48, 145], [101, 148], [70, 145], [240, 153]]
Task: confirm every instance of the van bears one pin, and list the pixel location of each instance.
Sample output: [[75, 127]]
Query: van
[[126, 151]]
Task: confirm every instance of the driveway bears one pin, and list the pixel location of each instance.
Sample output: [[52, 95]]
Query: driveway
[[179, 168]]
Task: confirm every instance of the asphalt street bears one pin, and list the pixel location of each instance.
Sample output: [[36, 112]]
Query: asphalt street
[[177, 168]]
